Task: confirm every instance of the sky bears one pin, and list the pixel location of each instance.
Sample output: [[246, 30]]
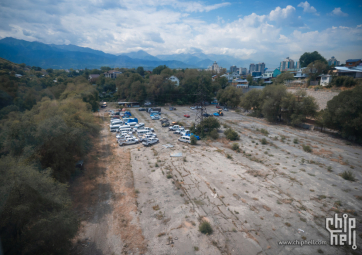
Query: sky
[[259, 31]]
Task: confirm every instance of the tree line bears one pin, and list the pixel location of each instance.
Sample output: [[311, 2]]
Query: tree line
[[45, 128]]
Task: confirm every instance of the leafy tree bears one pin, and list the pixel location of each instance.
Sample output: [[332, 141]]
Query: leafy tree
[[49, 70], [35, 211], [286, 76], [344, 81], [229, 96], [159, 69], [207, 126], [222, 81], [272, 101], [344, 113], [105, 68], [310, 57], [252, 100], [231, 134], [315, 68], [250, 79], [140, 70]]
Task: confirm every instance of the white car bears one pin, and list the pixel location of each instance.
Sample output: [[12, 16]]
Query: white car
[[139, 125], [148, 136], [131, 124], [192, 108], [150, 141], [148, 129], [155, 117], [185, 132], [128, 141], [174, 127], [185, 139], [178, 131]]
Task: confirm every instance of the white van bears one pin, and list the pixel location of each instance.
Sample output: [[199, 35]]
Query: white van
[[116, 121], [143, 132], [185, 139], [125, 128], [114, 128]]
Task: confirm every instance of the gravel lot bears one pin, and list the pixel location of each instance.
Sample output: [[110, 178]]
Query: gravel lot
[[322, 97], [252, 199]]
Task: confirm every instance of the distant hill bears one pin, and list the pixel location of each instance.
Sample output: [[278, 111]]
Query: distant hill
[[72, 56]]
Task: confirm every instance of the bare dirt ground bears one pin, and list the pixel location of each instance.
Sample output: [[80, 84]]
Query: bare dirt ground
[[105, 199], [252, 199], [322, 97]]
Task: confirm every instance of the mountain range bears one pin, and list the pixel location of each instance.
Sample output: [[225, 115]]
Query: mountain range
[[72, 56]]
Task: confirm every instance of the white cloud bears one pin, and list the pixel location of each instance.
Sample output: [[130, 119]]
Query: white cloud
[[338, 12], [286, 16], [163, 27], [308, 8]]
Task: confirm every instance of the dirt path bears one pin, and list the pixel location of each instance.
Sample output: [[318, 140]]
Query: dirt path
[[105, 199]]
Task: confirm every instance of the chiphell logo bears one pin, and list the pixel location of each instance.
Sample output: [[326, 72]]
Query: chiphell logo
[[342, 230]]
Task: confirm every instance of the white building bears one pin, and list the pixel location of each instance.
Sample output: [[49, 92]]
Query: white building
[[325, 79], [286, 64], [215, 68], [175, 80]]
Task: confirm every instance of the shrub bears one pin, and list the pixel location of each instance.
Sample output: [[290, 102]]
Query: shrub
[[193, 140], [295, 141], [307, 148], [205, 228], [214, 134], [264, 131], [349, 176], [231, 134], [229, 156], [169, 176], [235, 147], [264, 141]]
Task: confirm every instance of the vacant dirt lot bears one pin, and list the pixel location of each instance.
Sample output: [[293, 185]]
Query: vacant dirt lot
[[253, 199], [322, 97]]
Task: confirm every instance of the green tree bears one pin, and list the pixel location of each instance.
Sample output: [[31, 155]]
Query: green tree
[[159, 69], [286, 76], [310, 57], [35, 210], [105, 68], [140, 70], [252, 100], [272, 101], [229, 96], [344, 113]]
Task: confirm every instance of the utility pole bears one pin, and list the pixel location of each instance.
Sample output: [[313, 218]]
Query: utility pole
[[200, 105]]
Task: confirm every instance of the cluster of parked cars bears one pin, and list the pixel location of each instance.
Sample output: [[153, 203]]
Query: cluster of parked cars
[[129, 131], [185, 134]]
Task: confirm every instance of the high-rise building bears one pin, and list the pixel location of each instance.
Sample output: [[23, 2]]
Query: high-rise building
[[286, 64], [260, 67], [242, 71], [214, 68], [233, 69], [252, 68], [333, 61], [297, 64]]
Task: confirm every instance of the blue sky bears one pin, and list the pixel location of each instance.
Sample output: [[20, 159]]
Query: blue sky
[[265, 31]]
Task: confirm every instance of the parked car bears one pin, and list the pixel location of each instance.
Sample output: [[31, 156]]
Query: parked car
[[218, 106], [206, 115], [163, 119], [155, 117], [174, 127], [165, 124], [178, 131], [216, 114], [192, 108], [147, 103], [139, 125], [187, 116], [147, 136], [172, 108], [225, 109], [128, 141], [185, 139], [142, 109], [149, 129], [150, 141]]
